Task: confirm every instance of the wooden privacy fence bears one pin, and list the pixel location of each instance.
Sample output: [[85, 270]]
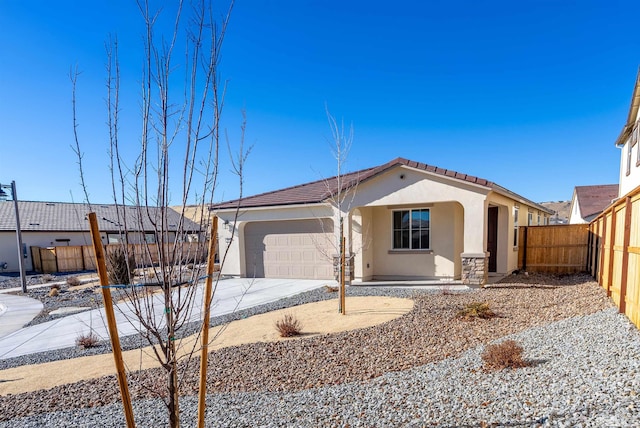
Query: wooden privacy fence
[[614, 253], [558, 249], [76, 258]]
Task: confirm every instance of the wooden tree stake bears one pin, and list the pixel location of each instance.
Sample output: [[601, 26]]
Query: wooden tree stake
[[204, 350], [343, 310], [111, 320]]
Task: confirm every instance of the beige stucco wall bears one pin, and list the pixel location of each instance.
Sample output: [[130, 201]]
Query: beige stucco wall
[[441, 261], [403, 185]]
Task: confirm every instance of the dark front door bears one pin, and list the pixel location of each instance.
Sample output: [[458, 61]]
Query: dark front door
[[492, 238]]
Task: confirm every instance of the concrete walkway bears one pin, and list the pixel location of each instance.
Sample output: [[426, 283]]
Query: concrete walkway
[[16, 311], [231, 295]]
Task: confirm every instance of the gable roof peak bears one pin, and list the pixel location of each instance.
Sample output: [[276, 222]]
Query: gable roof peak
[[320, 190]]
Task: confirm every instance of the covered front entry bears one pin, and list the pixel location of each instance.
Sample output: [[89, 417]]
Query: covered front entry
[[289, 249]]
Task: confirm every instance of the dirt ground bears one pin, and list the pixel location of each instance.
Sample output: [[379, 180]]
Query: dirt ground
[[315, 318]]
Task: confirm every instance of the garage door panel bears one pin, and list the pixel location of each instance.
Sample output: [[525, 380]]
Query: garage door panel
[[289, 249]]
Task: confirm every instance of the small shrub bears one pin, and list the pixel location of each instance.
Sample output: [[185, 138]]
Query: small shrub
[[55, 286], [476, 310], [53, 292], [446, 290], [330, 289], [119, 269], [190, 266], [88, 340], [47, 278], [73, 281], [288, 326], [507, 354]]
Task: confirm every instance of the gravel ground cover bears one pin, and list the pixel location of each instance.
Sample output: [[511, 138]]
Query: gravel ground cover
[[422, 369]]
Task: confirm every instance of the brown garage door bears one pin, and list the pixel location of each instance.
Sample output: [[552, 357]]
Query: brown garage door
[[289, 249]]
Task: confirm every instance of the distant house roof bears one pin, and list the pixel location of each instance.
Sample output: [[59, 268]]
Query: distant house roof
[[321, 190], [72, 217], [592, 200]]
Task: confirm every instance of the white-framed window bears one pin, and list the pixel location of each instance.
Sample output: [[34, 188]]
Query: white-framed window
[[150, 237], [637, 132], [114, 238], [629, 146], [529, 218], [515, 226], [539, 219], [411, 229]]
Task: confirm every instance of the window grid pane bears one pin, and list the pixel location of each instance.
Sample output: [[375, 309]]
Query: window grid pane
[[411, 229], [401, 229]]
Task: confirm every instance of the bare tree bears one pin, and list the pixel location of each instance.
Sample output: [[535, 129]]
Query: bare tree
[[341, 190], [179, 137]]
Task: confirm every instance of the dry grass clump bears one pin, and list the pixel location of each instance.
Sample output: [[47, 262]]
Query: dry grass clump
[[54, 292], [120, 266], [88, 340], [47, 278], [330, 289], [507, 354], [476, 310], [73, 281], [288, 326]]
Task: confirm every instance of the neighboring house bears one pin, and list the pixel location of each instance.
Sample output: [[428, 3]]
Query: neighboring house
[[406, 220], [561, 211], [50, 224], [630, 148], [589, 201]]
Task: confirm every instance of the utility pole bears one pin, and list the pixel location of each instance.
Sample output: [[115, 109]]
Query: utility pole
[[14, 196]]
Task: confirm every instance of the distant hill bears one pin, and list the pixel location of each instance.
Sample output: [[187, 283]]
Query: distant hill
[[562, 210]]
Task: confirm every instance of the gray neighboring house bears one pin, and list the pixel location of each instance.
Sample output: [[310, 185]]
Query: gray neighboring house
[[57, 224]]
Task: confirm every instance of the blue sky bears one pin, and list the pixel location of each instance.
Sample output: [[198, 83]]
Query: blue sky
[[529, 94]]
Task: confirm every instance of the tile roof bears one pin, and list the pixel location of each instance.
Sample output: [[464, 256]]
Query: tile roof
[[63, 216], [594, 199], [319, 191]]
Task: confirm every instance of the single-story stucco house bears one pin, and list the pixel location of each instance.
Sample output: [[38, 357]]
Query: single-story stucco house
[[53, 224], [403, 220]]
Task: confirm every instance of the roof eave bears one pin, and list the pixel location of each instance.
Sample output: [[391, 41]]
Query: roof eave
[[512, 195], [266, 207], [633, 113]]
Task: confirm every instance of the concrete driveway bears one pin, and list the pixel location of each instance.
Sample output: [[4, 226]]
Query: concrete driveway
[[231, 295]]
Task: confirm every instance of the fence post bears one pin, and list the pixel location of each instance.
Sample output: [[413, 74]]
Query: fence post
[[625, 254], [525, 236], [589, 249], [603, 242], [612, 249]]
